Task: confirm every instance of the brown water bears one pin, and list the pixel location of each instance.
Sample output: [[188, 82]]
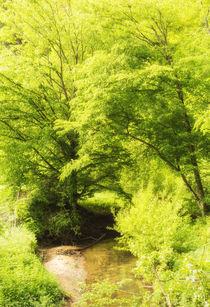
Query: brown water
[[96, 263], [102, 261]]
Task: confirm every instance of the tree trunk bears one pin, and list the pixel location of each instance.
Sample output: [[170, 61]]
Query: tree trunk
[[199, 196], [72, 190]]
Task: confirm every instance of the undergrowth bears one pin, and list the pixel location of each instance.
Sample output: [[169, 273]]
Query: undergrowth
[[23, 280]]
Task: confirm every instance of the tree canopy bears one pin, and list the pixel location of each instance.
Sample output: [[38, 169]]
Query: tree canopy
[[151, 86], [104, 121], [87, 91]]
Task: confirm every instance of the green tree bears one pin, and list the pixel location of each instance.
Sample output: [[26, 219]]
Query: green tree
[[41, 43], [151, 86]]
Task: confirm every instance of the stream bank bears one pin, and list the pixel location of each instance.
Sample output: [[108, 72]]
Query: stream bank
[[68, 269]]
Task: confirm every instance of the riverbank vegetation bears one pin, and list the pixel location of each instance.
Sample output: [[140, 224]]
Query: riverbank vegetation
[[104, 111], [24, 281]]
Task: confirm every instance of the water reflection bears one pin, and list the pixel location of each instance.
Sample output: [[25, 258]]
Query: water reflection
[[105, 262]]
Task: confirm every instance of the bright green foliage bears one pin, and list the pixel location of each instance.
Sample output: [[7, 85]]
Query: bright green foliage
[[44, 218], [103, 203], [104, 294], [23, 280], [104, 104], [6, 207], [149, 88], [79, 96], [41, 42], [36, 89], [172, 252]]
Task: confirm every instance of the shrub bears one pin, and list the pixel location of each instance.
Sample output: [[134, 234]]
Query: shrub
[[166, 244], [62, 223], [104, 293], [23, 280], [45, 218]]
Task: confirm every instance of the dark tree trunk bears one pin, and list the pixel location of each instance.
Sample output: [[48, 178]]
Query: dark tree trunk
[[199, 194], [73, 190]]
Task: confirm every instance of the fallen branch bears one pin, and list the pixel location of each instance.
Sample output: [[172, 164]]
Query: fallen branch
[[79, 249]]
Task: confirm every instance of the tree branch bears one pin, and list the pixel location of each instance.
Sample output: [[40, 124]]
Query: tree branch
[[154, 148]]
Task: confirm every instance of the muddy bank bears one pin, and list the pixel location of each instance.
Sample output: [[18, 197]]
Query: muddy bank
[[68, 269]]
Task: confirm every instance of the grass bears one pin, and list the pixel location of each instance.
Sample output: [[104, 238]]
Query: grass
[[102, 203], [23, 279]]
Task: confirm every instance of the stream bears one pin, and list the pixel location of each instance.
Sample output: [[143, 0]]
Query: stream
[[103, 261], [93, 264]]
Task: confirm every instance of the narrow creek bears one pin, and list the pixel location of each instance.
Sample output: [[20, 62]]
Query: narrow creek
[[103, 261], [93, 264]]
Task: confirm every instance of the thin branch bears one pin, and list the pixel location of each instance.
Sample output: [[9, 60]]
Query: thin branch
[[48, 163], [154, 148], [166, 295]]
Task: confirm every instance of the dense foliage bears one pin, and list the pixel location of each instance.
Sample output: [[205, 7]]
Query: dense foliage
[[172, 250], [104, 106], [23, 280]]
